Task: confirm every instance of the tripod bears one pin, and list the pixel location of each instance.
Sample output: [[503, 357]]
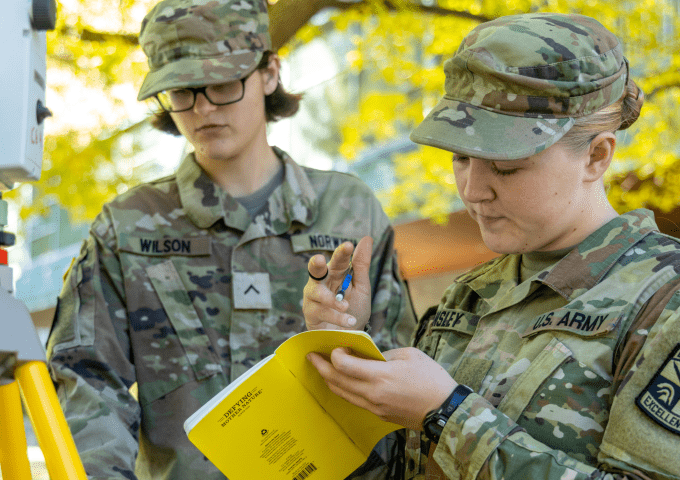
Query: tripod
[[23, 373]]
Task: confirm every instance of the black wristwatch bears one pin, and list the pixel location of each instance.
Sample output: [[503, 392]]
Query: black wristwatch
[[434, 422]]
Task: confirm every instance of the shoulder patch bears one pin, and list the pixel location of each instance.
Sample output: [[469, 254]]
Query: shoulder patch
[[660, 400]]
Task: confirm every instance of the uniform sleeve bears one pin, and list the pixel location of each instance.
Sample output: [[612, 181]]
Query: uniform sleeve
[[392, 319], [89, 359], [641, 440]]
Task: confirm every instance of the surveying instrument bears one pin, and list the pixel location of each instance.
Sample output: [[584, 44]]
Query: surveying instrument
[[23, 371]]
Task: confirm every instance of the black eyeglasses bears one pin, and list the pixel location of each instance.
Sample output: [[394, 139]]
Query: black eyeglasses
[[183, 99]]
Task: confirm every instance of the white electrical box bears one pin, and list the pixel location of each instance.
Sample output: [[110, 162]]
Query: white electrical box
[[22, 88]]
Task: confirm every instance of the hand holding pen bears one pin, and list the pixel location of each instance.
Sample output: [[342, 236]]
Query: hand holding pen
[[338, 293]]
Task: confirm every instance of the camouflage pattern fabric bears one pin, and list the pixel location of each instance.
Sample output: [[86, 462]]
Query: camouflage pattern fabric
[[179, 291], [506, 103], [558, 361], [193, 43]]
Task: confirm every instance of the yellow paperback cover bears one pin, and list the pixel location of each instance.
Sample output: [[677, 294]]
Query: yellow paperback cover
[[280, 421]]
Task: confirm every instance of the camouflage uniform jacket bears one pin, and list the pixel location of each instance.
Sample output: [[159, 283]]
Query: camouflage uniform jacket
[[178, 290], [575, 370]]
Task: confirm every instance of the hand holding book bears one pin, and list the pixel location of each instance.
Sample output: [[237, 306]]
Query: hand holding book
[[401, 390], [280, 420]]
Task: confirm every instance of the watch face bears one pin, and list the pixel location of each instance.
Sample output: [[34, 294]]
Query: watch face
[[456, 400]]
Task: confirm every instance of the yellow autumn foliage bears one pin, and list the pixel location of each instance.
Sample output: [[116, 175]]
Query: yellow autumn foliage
[[405, 49], [398, 47]]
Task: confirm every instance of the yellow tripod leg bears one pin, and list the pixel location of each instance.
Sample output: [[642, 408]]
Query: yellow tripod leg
[[54, 437], [13, 447]]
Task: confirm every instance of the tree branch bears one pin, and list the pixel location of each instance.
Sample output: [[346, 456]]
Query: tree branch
[[286, 17], [92, 36], [661, 88], [89, 35], [436, 10]]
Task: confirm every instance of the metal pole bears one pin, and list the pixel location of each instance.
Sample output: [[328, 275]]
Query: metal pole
[[49, 423], [13, 446]]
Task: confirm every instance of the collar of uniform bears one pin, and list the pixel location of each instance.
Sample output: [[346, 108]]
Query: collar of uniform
[[200, 196], [577, 272], [590, 261], [296, 197], [293, 201], [477, 276], [495, 282], [206, 203]]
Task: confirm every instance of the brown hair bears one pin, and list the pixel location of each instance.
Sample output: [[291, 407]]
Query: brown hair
[[279, 104], [617, 116]]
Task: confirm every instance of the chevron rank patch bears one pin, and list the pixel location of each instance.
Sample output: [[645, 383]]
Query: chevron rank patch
[[661, 399], [251, 290]]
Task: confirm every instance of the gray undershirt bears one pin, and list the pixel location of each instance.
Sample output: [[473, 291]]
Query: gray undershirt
[[256, 202]]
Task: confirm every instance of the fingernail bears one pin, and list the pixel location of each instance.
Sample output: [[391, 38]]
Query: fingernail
[[351, 321]]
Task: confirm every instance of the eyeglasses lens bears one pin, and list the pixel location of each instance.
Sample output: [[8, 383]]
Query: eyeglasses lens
[[181, 99]]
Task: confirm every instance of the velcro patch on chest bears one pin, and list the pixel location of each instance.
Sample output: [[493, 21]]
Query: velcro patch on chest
[[574, 321], [660, 400]]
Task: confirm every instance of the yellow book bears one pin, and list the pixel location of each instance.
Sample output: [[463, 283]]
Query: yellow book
[[280, 421]]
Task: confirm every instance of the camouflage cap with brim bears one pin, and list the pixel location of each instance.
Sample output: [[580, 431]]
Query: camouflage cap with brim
[[516, 84], [193, 43]]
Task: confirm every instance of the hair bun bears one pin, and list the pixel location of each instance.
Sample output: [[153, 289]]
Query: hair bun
[[632, 104]]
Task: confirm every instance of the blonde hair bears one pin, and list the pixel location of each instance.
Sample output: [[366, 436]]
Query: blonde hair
[[617, 116]]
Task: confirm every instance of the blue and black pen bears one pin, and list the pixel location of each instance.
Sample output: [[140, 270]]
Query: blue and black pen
[[345, 283]]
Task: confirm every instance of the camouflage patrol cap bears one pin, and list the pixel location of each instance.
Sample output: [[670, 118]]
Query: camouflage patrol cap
[[516, 84], [193, 43]]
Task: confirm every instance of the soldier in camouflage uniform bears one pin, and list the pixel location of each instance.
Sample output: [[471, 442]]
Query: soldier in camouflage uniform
[[187, 281], [560, 359]]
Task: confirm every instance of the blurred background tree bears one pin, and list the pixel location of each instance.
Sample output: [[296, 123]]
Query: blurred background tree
[[397, 47]]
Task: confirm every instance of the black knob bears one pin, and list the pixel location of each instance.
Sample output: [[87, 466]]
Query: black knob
[[7, 239], [44, 14], [42, 112]]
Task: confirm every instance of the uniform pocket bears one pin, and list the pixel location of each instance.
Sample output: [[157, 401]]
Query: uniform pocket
[[561, 401], [74, 324], [525, 387], [194, 358]]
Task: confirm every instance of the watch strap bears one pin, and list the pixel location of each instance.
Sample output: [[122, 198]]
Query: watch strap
[[434, 421]]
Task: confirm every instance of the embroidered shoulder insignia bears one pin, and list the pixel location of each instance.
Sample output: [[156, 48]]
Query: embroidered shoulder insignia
[[661, 399]]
